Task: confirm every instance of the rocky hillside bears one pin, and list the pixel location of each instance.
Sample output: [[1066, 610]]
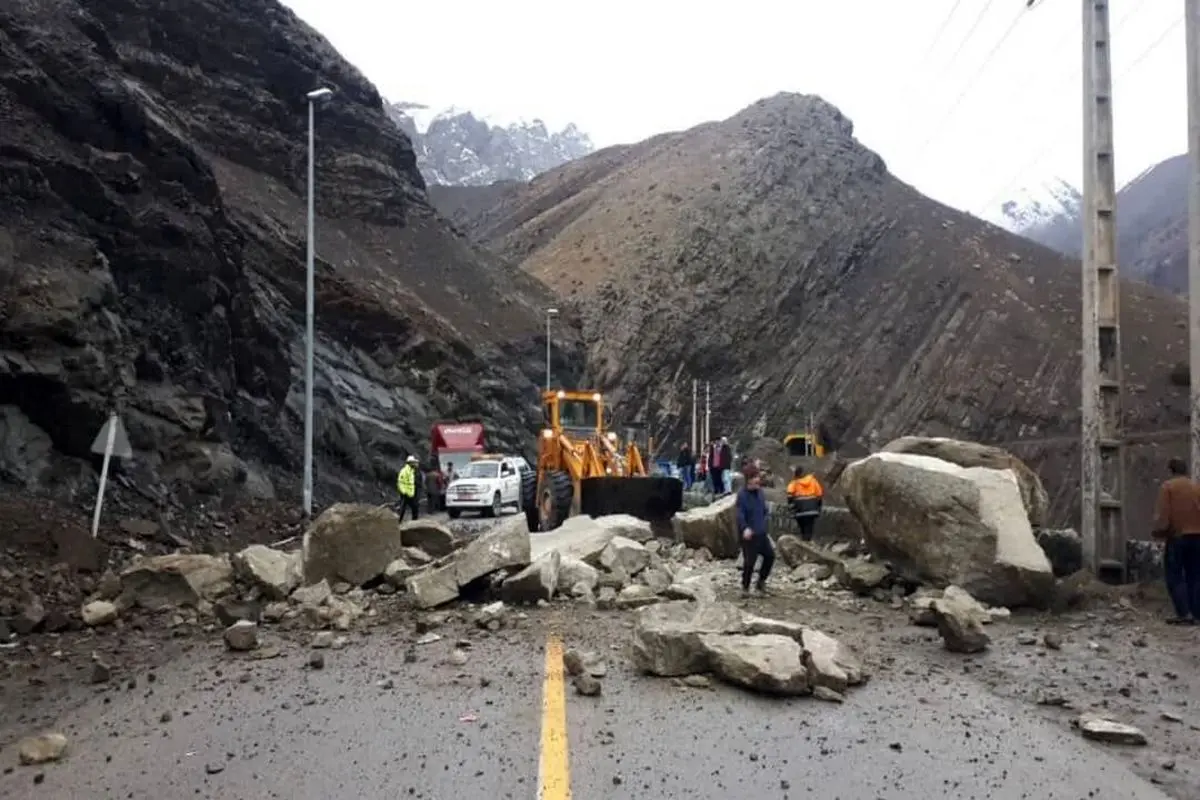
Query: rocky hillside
[[457, 148], [776, 256], [152, 255], [1151, 227]]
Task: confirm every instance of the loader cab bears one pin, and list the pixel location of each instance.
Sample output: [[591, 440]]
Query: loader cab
[[578, 414]]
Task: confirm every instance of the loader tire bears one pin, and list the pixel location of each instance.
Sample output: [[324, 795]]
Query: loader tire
[[529, 503], [555, 496]]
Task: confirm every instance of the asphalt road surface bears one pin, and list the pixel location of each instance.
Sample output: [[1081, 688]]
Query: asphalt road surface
[[375, 723]]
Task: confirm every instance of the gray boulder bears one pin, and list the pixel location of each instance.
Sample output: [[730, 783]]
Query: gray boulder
[[625, 556], [573, 571], [351, 542], [505, 547], [766, 663], [179, 579], [947, 524], [275, 572], [538, 581], [428, 536], [711, 527]]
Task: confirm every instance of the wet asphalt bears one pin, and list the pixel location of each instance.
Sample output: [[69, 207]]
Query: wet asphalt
[[374, 723]]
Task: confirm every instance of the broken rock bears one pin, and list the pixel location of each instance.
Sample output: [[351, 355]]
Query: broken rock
[[710, 527], [636, 596], [180, 579], [315, 595], [959, 624], [579, 537], [830, 663], [242, 635], [274, 572], [98, 612], [42, 748], [351, 542], [624, 555], [575, 571], [399, 571], [767, 663], [1102, 729], [667, 637], [536, 582], [429, 537], [861, 577]]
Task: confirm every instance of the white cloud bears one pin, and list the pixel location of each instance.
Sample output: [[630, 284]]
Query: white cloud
[[627, 69]]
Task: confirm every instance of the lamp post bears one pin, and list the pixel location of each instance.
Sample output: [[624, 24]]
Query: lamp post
[[314, 97], [550, 312]]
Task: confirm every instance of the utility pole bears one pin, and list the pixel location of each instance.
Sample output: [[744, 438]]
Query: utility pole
[[707, 413], [550, 312], [695, 391], [1192, 39], [1102, 467], [315, 96]]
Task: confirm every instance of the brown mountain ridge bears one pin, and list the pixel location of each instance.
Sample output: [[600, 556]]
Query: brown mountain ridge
[[773, 254]]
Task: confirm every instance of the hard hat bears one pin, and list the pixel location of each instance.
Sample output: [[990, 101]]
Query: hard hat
[[411, 460]]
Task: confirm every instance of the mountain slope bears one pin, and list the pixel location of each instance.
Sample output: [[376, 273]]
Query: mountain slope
[[774, 255], [1151, 227], [1041, 208], [457, 148], [152, 255]]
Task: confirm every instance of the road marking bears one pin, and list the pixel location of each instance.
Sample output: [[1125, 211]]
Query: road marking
[[554, 771]]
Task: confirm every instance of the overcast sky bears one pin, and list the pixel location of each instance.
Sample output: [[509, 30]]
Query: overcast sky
[[970, 120]]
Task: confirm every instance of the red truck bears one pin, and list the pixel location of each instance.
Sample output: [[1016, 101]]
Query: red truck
[[453, 444]]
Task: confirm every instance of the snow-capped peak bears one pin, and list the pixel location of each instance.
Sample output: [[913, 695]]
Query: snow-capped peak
[[1037, 205]]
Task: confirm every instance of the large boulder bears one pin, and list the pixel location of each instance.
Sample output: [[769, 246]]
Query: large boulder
[[972, 454], [948, 524], [668, 636], [573, 572], [581, 538], [179, 579], [505, 547], [428, 536], [711, 526], [274, 572], [538, 581], [630, 527], [351, 542], [624, 555]]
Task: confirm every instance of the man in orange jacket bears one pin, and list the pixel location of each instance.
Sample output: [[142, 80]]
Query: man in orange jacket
[[805, 496]]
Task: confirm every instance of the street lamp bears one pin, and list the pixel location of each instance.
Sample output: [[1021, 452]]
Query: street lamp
[[550, 312], [314, 97]]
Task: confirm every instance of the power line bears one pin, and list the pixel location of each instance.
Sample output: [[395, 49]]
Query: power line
[[937, 37], [1051, 148], [971, 82]]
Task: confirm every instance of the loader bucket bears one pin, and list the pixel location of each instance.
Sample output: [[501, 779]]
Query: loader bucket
[[653, 499]]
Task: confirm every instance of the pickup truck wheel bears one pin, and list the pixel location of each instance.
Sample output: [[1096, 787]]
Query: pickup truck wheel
[[494, 509]]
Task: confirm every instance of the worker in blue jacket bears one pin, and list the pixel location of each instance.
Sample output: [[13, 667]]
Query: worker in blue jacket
[[752, 529]]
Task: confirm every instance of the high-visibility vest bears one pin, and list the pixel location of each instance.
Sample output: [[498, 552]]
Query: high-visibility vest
[[406, 481]]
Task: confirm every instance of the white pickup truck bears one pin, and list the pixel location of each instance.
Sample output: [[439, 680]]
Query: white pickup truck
[[487, 486]]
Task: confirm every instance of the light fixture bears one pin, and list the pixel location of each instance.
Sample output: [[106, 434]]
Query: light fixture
[[319, 94]]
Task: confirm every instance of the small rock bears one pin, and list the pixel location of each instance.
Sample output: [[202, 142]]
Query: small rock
[[1052, 641], [430, 638], [101, 672], [322, 640], [697, 681], [242, 635], [1102, 729], [98, 612], [458, 657], [214, 767], [825, 693], [316, 660], [42, 748], [586, 685]]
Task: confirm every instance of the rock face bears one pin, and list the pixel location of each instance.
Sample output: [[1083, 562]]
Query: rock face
[[804, 256], [351, 542], [971, 454], [455, 147], [171, 172], [950, 524]]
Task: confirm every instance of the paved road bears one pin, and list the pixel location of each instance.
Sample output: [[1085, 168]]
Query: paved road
[[492, 729]]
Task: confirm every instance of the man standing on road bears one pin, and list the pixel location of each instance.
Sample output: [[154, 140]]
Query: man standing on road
[[687, 466], [752, 528], [1177, 521], [719, 462], [406, 485], [806, 497], [434, 488]]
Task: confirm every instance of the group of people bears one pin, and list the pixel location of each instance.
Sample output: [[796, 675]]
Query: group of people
[[1177, 524], [713, 468], [412, 481], [805, 500]]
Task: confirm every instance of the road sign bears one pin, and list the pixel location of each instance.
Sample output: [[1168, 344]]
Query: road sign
[[119, 446]]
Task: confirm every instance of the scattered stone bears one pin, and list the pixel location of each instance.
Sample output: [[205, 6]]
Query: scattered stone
[[275, 573], [316, 594], [322, 640], [626, 555], [587, 685], [1052, 641], [861, 577], [316, 660], [697, 681], [505, 547], [575, 571], [229, 611], [429, 638], [698, 589], [591, 663], [214, 768], [399, 571], [43, 748], [636, 596], [825, 693], [458, 657], [30, 618], [655, 579], [606, 598], [1102, 729], [101, 672], [960, 625], [829, 662], [812, 572], [241, 635], [98, 612], [492, 617]]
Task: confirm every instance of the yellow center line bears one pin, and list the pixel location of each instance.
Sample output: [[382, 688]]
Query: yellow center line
[[554, 771]]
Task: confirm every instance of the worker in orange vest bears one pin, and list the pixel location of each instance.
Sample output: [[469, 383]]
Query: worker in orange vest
[[805, 496]]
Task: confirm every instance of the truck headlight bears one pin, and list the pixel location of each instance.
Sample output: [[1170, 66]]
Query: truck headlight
[[612, 436], [596, 397]]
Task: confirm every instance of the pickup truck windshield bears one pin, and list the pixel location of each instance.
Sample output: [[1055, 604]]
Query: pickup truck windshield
[[480, 469]]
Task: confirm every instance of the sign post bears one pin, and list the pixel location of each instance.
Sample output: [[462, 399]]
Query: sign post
[[110, 441]]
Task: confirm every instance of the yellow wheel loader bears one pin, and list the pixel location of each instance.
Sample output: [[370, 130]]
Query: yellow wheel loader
[[582, 468]]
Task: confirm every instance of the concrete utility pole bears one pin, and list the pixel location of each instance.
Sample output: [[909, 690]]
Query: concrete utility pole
[[314, 97], [707, 412], [1192, 39], [1102, 474], [695, 391], [550, 312]]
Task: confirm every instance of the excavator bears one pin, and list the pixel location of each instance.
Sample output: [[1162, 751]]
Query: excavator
[[583, 468]]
